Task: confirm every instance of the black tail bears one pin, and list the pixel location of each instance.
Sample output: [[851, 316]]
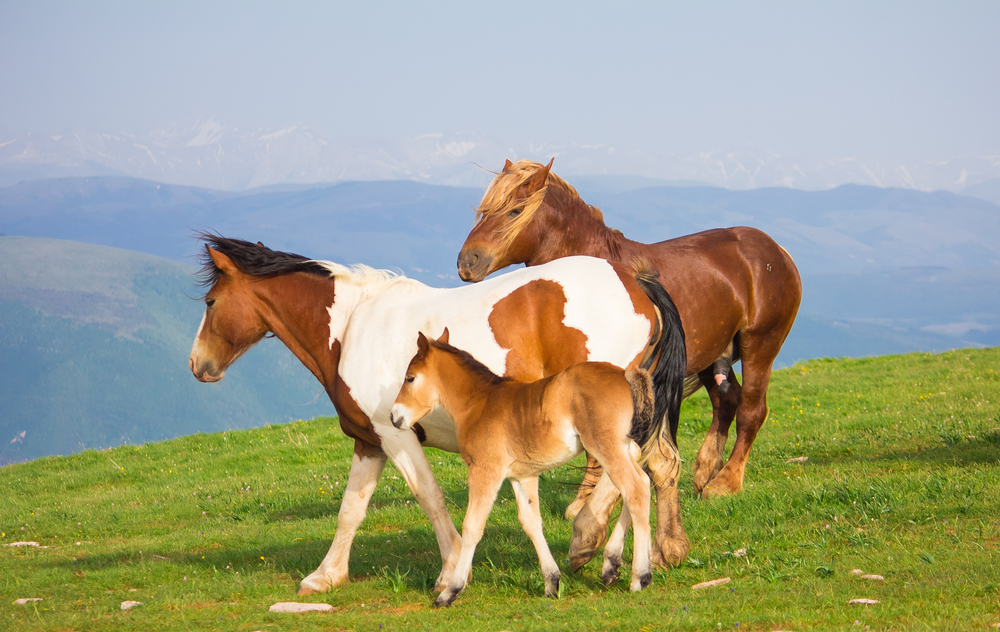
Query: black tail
[[668, 358]]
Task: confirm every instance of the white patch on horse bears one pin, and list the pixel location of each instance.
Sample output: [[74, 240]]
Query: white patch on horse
[[587, 317], [197, 336]]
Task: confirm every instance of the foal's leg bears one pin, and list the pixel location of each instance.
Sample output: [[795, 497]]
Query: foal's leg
[[484, 483], [590, 529], [590, 478], [610, 572], [366, 467], [526, 493], [724, 405], [628, 477]]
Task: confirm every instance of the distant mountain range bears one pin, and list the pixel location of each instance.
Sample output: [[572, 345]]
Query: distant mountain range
[[95, 342], [95, 335], [210, 153]]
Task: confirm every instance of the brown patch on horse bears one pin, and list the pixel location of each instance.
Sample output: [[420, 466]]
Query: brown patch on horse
[[525, 359], [353, 421]]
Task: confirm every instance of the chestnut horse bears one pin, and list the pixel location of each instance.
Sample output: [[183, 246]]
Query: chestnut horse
[[733, 287], [355, 330], [517, 430]]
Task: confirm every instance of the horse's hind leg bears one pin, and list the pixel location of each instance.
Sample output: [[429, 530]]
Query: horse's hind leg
[[526, 493], [590, 528], [590, 478], [670, 546], [633, 483], [724, 405], [366, 468], [758, 356]]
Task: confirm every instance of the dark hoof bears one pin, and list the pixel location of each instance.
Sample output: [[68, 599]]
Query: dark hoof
[[611, 575], [443, 602], [645, 579], [552, 585]]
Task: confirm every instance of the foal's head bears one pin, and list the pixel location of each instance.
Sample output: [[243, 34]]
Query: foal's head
[[232, 322], [517, 211], [421, 389]]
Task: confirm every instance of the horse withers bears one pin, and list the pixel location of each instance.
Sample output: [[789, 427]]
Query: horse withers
[[517, 430], [354, 329]]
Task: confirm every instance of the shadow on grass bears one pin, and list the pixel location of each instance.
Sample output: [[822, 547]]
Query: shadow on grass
[[954, 450]]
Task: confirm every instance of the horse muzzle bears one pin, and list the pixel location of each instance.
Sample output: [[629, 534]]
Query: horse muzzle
[[397, 417], [205, 372], [473, 265]]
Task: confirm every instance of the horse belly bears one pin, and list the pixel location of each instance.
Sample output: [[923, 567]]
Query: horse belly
[[544, 451]]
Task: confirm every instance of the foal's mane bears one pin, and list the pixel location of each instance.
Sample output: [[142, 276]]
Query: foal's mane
[[501, 197], [258, 260], [470, 362]]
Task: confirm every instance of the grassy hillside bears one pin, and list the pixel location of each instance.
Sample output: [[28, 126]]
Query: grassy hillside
[[902, 480], [95, 341]]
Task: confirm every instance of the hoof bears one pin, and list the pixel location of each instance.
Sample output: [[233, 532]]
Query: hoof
[[672, 552], [318, 584], [641, 582], [721, 486], [612, 570], [552, 586], [445, 599]]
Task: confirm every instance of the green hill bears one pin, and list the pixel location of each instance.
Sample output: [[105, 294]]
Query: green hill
[[902, 481], [95, 341]]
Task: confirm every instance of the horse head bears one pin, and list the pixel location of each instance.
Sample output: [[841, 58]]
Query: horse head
[[231, 324], [505, 233], [419, 394]]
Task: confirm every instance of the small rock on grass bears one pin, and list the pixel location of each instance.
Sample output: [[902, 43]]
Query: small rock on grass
[[292, 606], [23, 544], [797, 459], [714, 582], [128, 605], [857, 571], [24, 600], [863, 602], [877, 578]]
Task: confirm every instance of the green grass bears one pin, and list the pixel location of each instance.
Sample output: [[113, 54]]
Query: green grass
[[207, 531]]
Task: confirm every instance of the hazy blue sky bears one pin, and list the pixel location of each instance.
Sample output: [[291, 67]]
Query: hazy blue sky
[[902, 80]]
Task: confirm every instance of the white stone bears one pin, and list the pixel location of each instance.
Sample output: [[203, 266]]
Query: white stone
[[292, 606], [709, 584]]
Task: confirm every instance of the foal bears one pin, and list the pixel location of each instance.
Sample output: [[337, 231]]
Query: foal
[[517, 430]]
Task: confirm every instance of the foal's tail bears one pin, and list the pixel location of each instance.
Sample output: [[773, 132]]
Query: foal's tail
[[645, 430], [667, 361]]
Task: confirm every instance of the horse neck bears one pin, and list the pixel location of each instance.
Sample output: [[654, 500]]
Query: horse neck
[[467, 390], [308, 313], [572, 229]]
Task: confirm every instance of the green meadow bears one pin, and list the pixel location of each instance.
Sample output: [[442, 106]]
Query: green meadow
[[902, 481]]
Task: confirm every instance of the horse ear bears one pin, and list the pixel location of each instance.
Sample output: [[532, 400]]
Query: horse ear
[[222, 262], [422, 344], [538, 180], [507, 165], [260, 245], [444, 336]]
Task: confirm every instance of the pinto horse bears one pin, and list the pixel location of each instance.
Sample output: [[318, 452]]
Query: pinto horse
[[733, 287], [517, 430], [355, 328]]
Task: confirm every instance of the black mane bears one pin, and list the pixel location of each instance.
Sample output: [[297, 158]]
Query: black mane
[[254, 259]]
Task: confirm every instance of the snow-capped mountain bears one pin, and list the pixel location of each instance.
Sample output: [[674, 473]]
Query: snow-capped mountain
[[212, 154]]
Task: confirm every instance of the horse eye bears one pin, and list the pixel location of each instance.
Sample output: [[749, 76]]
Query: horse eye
[[410, 378], [209, 302], [514, 213]]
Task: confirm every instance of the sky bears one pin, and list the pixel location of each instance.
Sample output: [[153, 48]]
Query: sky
[[894, 80]]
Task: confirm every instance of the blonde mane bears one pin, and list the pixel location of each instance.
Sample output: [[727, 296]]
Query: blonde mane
[[501, 198]]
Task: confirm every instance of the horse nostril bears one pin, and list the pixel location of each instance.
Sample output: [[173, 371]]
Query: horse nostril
[[474, 259]]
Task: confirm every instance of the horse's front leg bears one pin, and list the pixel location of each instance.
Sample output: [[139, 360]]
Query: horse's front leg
[[366, 467], [408, 456]]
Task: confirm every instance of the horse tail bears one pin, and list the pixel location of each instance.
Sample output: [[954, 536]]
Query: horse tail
[[644, 430], [667, 361]]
